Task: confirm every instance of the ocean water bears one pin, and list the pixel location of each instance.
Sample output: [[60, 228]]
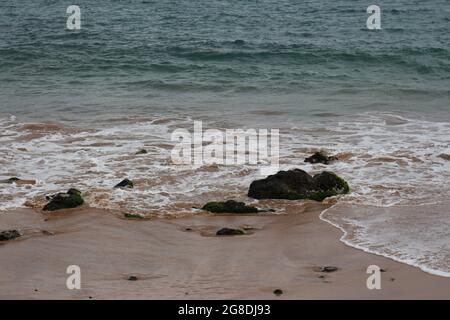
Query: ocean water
[[75, 106]]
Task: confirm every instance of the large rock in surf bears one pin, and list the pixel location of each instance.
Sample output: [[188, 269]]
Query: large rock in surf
[[319, 157], [297, 184], [70, 199], [229, 206], [9, 235]]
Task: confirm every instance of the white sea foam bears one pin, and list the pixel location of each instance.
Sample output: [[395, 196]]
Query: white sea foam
[[389, 160]]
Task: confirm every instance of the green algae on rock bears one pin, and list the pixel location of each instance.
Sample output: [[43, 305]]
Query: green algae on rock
[[296, 184], [71, 199], [229, 206]]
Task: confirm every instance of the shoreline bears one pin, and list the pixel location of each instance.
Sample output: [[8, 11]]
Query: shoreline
[[362, 248], [182, 259]]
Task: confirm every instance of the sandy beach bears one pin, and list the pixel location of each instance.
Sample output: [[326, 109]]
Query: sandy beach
[[183, 259]]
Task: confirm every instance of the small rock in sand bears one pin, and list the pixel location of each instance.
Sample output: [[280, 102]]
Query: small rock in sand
[[142, 151], [132, 278], [328, 269], [133, 216], [230, 232], [278, 292], [9, 235]]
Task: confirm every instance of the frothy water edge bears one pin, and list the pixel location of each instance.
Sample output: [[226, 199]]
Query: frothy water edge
[[411, 262]]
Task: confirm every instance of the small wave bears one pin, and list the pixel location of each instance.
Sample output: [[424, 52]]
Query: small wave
[[398, 251]]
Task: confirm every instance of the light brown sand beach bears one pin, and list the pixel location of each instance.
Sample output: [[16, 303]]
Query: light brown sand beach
[[171, 262]]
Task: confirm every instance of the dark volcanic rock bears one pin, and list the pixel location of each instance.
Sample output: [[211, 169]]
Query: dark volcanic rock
[[278, 292], [133, 216], [10, 180], [132, 278], [297, 184], [70, 199], [319, 157], [230, 232], [9, 235], [328, 269], [229, 206], [142, 151], [125, 183]]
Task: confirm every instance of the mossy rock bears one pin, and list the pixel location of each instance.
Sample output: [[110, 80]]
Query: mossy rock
[[133, 216], [229, 206], [9, 235], [297, 184], [71, 199]]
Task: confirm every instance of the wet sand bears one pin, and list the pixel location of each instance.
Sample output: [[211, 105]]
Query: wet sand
[[182, 259]]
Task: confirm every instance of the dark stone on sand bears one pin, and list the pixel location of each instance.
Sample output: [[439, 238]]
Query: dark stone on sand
[[328, 269], [230, 232], [9, 235], [133, 216], [71, 199], [319, 157], [125, 183], [278, 292], [142, 151], [296, 184], [132, 278], [229, 206]]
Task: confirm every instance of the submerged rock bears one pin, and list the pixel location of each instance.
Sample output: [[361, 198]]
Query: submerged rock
[[71, 199], [230, 232], [319, 157], [297, 184], [10, 180], [229, 206], [9, 235], [17, 181], [125, 183]]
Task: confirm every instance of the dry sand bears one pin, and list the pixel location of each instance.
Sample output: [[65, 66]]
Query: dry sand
[[171, 262]]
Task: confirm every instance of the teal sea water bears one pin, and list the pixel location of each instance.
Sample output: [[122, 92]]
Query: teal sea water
[[144, 55], [75, 106]]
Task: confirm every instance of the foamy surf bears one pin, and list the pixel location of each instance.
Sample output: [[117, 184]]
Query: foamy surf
[[390, 161], [432, 257]]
